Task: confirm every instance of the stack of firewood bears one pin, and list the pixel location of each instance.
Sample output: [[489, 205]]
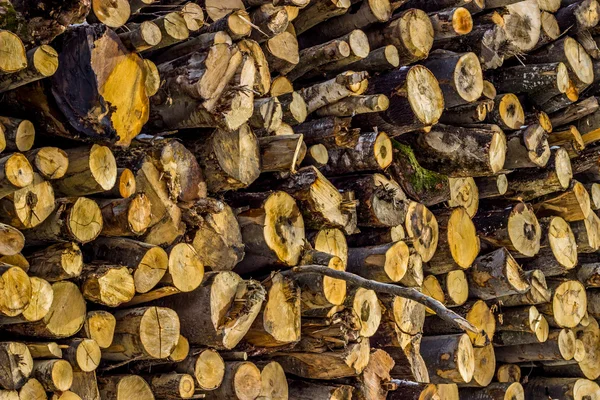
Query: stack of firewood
[[299, 199]]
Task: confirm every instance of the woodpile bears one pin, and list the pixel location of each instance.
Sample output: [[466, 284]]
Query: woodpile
[[300, 199]]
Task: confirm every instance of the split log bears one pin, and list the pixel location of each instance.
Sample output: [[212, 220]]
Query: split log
[[496, 274], [74, 219], [29, 206], [32, 390], [230, 298], [64, 318], [527, 148], [143, 333], [351, 361], [49, 162], [117, 387], [207, 367], [99, 326], [18, 364], [515, 228], [268, 20], [587, 233], [572, 204], [281, 52], [459, 74], [129, 102], [281, 153], [558, 252], [414, 109], [449, 359], [458, 244], [149, 263]]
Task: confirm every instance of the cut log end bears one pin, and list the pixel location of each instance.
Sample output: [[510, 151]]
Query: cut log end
[[424, 93], [524, 230]]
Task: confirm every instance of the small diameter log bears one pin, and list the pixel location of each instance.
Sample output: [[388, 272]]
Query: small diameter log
[[99, 326], [414, 109], [12, 240], [449, 358], [208, 368], [515, 228], [563, 388], [495, 391], [15, 173], [171, 385], [348, 362], [558, 253], [121, 387], [278, 323], [274, 384], [303, 390], [385, 263], [242, 381], [421, 226], [359, 48], [293, 107], [538, 292], [523, 319], [18, 365], [531, 183], [527, 148], [432, 288], [267, 115], [142, 37], [408, 315], [16, 290], [107, 284], [477, 312], [32, 390], [485, 366], [344, 85], [49, 162], [91, 170], [268, 20], [317, 156], [318, 12], [126, 216], [74, 219], [492, 186], [29, 206], [173, 29], [451, 23], [382, 202], [124, 187], [458, 244], [220, 290], [373, 151], [110, 13], [467, 114], [455, 288], [587, 233], [508, 373], [143, 333], [507, 113], [281, 153], [408, 390], [576, 111], [19, 134], [569, 303], [572, 205], [322, 295], [541, 82], [16, 58], [64, 318], [560, 345], [354, 105], [82, 354], [578, 16], [462, 152], [459, 74], [496, 274], [313, 57], [332, 241], [378, 60], [224, 169], [54, 375]]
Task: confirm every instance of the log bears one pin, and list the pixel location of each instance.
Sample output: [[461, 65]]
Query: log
[[508, 112], [74, 219], [560, 345], [319, 11], [575, 111], [496, 274], [49, 162], [38, 305], [373, 151], [117, 387], [492, 186], [149, 263], [99, 326], [515, 228], [268, 20], [42, 62], [586, 233], [304, 390], [421, 226], [451, 22], [172, 384], [413, 390], [242, 380], [85, 386], [414, 109], [32, 390], [126, 216], [527, 148], [18, 134], [46, 350], [458, 244], [29, 206], [351, 361], [82, 354], [106, 284], [508, 373], [343, 85], [281, 52], [459, 74], [569, 303], [495, 391], [558, 252], [18, 364], [538, 292], [64, 318], [522, 319], [143, 333], [281, 153], [207, 367], [142, 37], [54, 375], [455, 287], [572, 204], [449, 358], [407, 314], [565, 388]]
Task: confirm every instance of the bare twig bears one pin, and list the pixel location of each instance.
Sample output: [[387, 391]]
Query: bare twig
[[379, 287]]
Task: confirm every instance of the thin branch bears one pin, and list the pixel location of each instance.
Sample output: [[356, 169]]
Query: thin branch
[[379, 287]]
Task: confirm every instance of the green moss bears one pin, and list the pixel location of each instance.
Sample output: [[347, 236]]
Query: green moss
[[421, 179], [8, 17]]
